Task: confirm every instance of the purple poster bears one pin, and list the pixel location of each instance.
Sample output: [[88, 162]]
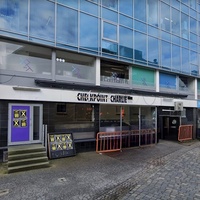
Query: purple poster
[[20, 117]]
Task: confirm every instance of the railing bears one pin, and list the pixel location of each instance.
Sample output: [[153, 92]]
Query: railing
[[185, 132], [115, 141]]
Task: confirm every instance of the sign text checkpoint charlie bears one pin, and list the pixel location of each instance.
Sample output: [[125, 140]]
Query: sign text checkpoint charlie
[[96, 97]]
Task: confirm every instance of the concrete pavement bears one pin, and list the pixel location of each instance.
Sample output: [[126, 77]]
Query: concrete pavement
[[169, 170]]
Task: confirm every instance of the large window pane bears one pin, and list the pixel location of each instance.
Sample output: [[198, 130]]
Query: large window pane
[[140, 26], [165, 17], [184, 26], [153, 57], [18, 57], [109, 47], [126, 45], [42, 19], [109, 15], [176, 55], [140, 41], [126, 21], [89, 33], [185, 61], [89, 7], [140, 10], [109, 31], [193, 57], [193, 25], [175, 21], [67, 26], [166, 54], [152, 12], [70, 3], [126, 8], [167, 81], [112, 4], [14, 16]]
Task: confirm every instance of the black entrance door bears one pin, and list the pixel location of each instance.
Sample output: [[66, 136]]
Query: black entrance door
[[170, 128]]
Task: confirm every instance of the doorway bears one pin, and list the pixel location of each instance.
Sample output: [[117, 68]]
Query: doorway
[[170, 127], [24, 124]]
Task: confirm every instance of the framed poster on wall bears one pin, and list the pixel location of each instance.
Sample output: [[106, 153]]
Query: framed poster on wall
[[60, 145]]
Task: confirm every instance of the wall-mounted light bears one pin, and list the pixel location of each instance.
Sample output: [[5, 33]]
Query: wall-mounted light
[[60, 59], [26, 88]]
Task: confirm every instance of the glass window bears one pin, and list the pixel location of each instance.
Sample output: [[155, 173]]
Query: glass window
[[185, 43], [125, 45], [25, 58], [193, 57], [176, 55], [89, 7], [184, 26], [166, 54], [73, 4], [126, 8], [153, 31], [14, 16], [153, 55], [167, 81], [175, 21], [176, 40], [193, 46], [74, 67], [109, 47], [42, 19], [143, 77], [152, 9], [166, 36], [176, 3], [193, 25], [185, 61], [140, 41], [184, 8], [140, 10], [193, 4], [110, 31], [113, 4], [193, 38], [126, 21], [140, 26], [89, 33], [165, 17], [109, 15], [193, 13], [194, 69], [67, 25]]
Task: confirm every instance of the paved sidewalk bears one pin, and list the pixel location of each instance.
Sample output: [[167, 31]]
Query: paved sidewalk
[[168, 170]]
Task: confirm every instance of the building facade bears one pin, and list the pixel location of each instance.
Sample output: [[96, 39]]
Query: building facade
[[89, 66]]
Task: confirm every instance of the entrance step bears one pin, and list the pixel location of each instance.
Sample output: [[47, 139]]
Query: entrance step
[[27, 157]]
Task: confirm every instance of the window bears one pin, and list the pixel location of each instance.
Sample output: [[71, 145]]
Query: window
[[153, 55], [152, 9], [166, 54], [61, 108], [175, 21], [67, 26], [176, 55], [112, 4], [126, 8], [140, 10], [110, 31], [165, 17], [167, 81]]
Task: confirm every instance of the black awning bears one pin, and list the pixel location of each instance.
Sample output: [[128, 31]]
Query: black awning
[[104, 89]]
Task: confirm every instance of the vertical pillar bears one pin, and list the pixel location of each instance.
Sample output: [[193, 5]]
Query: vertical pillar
[[53, 67], [195, 89], [97, 71], [157, 81]]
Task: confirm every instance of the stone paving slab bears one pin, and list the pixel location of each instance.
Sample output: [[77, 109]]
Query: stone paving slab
[[168, 170]]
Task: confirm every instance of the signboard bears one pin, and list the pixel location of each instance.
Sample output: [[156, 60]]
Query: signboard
[[60, 145], [20, 123]]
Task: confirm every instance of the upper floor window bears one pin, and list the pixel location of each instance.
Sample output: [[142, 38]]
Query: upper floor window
[[113, 4], [109, 31]]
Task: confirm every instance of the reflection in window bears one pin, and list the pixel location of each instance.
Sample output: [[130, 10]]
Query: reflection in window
[[126, 8], [140, 41], [193, 25], [42, 19], [109, 15], [176, 55], [25, 58], [126, 21], [165, 17], [184, 26], [126, 45], [140, 26], [89, 7], [152, 10], [14, 16], [193, 57], [194, 70], [185, 61], [167, 81], [166, 54], [89, 33], [109, 47], [153, 58], [109, 31], [140, 10], [67, 26], [73, 4], [175, 21], [113, 4]]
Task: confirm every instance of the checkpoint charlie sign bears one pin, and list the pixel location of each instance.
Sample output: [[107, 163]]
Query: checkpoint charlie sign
[[100, 98]]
